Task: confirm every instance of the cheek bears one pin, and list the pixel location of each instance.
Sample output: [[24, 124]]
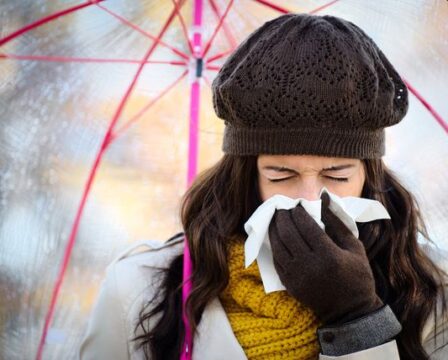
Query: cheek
[[352, 188], [268, 189], [263, 190]]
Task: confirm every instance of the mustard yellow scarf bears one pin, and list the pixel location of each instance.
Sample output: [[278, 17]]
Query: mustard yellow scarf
[[267, 326]]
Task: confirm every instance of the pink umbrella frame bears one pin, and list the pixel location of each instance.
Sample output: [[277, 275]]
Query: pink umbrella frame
[[197, 54]]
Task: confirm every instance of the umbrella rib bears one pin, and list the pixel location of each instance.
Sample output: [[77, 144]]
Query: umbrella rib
[[286, 11], [213, 67], [219, 56], [429, 107], [323, 6], [273, 6], [215, 32], [86, 191], [184, 27], [227, 32], [45, 20], [207, 80], [146, 107], [85, 60], [143, 32]]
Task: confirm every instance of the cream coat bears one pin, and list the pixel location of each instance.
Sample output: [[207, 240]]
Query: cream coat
[[130, 281]]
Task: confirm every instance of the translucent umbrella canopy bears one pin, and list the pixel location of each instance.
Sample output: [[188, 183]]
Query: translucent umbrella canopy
[[72, 72]]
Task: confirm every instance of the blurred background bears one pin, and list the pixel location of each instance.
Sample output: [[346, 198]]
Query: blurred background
[[56, 106]]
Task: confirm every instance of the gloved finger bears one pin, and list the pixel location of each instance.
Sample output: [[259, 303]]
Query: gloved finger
[[286, 232], [317, 239], [325, 201], [335, 227], [281, 269], [304, 244], [290, 235], [340, 233], [279, 250]]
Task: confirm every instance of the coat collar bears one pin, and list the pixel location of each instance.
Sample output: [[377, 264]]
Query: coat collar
[[211, 344]]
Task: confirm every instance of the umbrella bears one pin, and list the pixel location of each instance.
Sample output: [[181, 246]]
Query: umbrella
[[95, 98]]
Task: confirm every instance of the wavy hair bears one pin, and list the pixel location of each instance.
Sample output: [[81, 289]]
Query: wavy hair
[[217, 205]]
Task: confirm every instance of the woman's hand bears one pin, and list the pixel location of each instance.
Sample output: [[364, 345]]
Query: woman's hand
[[326, 271]]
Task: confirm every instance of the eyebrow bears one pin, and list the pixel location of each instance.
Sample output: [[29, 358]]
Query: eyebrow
[[285, 169]]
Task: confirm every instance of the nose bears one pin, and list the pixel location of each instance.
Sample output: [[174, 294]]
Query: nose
[[309, 188]]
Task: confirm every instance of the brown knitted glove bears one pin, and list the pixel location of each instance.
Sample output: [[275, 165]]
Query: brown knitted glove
[[328, 272]]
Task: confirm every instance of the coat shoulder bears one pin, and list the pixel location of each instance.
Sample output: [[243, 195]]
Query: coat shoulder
[[149, 253], [137, 268], [130, 283]]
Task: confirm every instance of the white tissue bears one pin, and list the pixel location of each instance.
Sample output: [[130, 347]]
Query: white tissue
[[257, 246]]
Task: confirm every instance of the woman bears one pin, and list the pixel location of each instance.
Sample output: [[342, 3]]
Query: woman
[[305, 100]]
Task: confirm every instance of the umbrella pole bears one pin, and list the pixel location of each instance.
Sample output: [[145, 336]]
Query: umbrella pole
[[186, 350]]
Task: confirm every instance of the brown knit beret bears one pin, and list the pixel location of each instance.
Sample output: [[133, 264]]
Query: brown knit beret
[[308, 84]]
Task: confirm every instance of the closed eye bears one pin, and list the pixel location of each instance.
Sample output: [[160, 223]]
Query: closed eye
[[337, 179], [328, 177], [277, 180]]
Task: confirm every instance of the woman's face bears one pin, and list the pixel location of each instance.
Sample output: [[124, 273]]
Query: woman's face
[[304, 175]]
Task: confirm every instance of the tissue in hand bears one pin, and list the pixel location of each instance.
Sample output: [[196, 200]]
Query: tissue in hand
[[257, 246]]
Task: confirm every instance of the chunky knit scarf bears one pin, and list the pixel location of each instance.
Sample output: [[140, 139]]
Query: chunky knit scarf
[[267, 326]]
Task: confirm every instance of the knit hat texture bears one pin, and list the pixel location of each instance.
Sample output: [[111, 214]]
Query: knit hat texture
[[308, 84]]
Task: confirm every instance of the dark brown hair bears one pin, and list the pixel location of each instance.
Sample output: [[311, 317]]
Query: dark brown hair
[[218, 204]]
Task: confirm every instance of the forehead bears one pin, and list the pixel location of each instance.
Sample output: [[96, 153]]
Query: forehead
[[303, 161]]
